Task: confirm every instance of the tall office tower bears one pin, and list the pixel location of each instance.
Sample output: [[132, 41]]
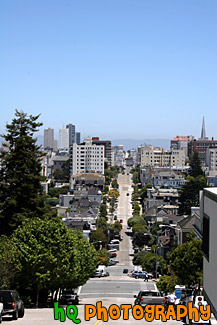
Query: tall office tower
[[78, 137], [64, 139], [49, 139], [72, 138]]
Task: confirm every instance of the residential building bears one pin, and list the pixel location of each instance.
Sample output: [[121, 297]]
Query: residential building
[[150, 156], [86, 181], [118, 155], [201, 146], [161, 177], [107, 149], [181, 143], [49, 142], [86, 157], [211, 161], [64, 139], [59, 161], [208, 215]]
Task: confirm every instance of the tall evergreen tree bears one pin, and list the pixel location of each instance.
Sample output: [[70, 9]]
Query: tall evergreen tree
[[195, 165], [21, 194]]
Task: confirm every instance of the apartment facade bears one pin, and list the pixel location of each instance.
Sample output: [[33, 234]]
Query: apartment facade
[[211, 161], [150, 156], [181, 143], [86, 158], [107, 151]]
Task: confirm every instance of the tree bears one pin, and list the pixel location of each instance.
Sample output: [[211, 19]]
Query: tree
[[103, 257], [189, 196], [195, 165], [98, 236], [167, 283], [114, 194], [187, 262], [51, 256], [103, 210], [8, 261], [117, 226], [63, 173], [149, 263], [136, 220], [20, 174]]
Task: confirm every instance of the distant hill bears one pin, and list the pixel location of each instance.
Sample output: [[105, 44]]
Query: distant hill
[[133, 144]]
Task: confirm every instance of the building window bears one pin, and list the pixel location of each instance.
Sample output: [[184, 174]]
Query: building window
[[206, 232]]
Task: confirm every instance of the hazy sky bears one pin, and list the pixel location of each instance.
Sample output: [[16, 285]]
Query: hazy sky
[[114, 68]]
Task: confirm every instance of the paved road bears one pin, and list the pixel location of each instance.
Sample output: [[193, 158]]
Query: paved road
[[124, 212], [114, 286]]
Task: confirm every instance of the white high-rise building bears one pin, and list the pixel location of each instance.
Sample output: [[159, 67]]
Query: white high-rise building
[[86, 157], [118, 155], [64, 139]]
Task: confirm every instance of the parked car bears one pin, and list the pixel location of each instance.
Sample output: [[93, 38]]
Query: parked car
[[12, 303], [125, 270], [112, 250], [139, 275], [69, 297], [113, 262], [1, 309], [121, 221], [115, 218], [128, 194], [150, 275]]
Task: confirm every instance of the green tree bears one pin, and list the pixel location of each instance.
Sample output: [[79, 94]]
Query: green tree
[[64, 173], [98, 236], [187, 262], [52, 256], [103, 210], [149, 263], [167, 283], [103, 257], [20, 174], [116, 226], [136, 220], [189, 196], [8, 261], [101, 222], [195, 165]]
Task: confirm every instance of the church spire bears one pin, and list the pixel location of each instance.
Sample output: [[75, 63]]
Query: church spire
[[203, 131]]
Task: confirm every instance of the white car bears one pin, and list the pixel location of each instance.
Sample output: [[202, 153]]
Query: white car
[[1, 310], [112, 250]]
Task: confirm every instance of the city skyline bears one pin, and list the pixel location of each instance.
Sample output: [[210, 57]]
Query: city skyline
[[117, 70]]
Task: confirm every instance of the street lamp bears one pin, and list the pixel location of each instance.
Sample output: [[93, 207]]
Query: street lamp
[[172, 226], [149, 234]]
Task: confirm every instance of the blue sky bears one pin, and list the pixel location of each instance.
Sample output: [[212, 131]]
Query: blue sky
[[115, 68]]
